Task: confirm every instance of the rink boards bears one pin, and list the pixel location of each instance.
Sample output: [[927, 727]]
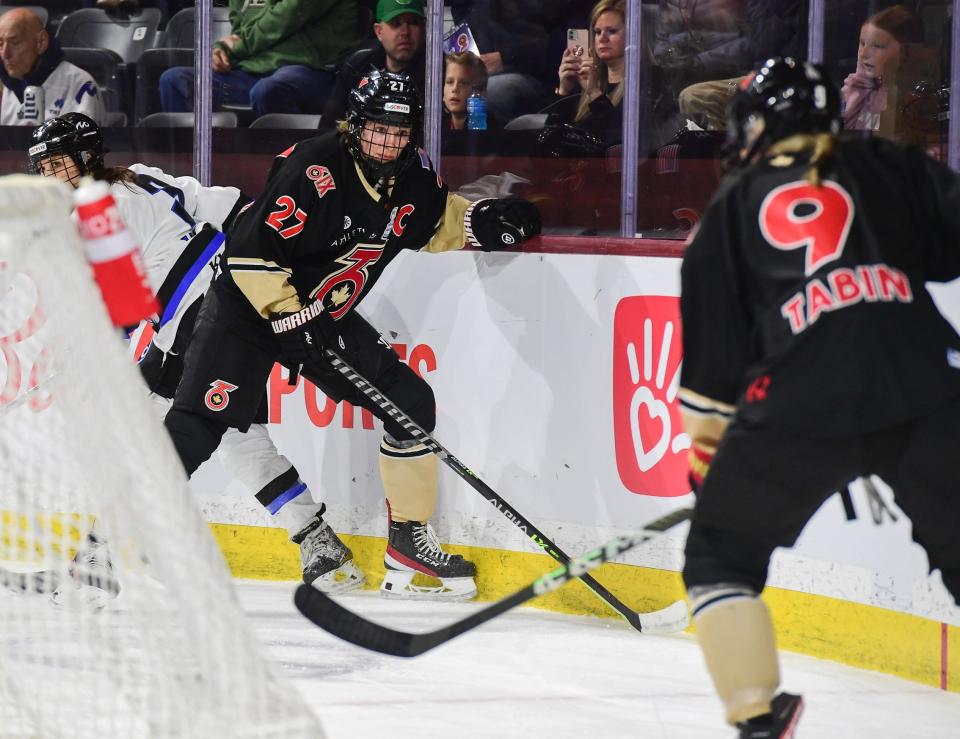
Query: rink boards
[[555, 377]]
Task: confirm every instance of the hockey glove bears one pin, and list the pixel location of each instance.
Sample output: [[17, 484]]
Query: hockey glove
[[302, 336], [495, 224], [563, 140]]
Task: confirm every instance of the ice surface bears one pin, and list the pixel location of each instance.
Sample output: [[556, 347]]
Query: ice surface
[[534, 673]]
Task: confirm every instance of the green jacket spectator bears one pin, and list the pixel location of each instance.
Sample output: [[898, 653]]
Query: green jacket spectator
[[278, 58], [316, 33]]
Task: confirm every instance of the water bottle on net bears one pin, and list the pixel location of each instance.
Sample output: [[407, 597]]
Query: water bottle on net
[[477, 112], [114, 255]]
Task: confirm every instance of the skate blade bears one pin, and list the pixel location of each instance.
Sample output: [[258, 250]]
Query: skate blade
[[345, 578], [417, 586]]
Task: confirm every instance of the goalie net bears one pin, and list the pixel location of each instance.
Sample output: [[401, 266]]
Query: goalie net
[[170, 655]]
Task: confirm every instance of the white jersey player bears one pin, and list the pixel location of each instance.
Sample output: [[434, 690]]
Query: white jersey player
[[180, 227]]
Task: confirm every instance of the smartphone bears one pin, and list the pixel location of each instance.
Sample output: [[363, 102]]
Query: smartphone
[[578, 41]]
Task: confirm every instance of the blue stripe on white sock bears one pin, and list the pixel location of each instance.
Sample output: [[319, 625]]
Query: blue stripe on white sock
[[285, 497]]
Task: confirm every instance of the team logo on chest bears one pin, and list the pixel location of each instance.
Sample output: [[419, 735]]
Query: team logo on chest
[[218, 396], [340, 290]]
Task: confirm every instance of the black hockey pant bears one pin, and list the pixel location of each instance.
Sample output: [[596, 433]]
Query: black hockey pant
[[229, 359], [764, 485]]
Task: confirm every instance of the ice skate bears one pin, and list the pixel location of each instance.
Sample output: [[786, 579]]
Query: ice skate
[[326, 561], [413, 549], [780, 724], [92, 582]]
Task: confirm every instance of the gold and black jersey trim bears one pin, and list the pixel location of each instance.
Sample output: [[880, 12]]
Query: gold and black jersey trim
[[701, 405], [246, 264], [265, 284], [450, 232], [705, 420]]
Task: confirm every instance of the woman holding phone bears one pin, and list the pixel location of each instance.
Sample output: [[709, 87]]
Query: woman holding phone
[[597, 72]]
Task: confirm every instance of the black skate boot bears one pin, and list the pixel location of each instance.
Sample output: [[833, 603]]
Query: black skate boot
[[413, 548], [326, 561], [780, 723]]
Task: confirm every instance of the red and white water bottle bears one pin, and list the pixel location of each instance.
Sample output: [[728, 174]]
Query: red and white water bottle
[[114, 255]]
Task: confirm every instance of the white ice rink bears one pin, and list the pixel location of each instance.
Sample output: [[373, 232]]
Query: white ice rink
[[532, 673]]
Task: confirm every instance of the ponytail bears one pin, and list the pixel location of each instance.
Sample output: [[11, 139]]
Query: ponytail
[[820, 146]]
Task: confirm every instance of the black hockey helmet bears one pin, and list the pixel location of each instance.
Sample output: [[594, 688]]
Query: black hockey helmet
[[781, 98], [72, 134], [388, 98]]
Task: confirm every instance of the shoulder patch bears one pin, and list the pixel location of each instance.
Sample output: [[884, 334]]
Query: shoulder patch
[[424, 159], [321, 178]]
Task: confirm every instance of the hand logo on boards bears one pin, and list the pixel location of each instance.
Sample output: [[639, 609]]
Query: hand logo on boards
[[23, 358], [650, 444]]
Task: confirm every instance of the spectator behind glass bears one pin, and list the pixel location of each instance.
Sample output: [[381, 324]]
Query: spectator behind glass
[[464, 72], [399, 28], [516, 45], [773, 29], [32, 59], [275, 57], [872, 94], [598, 74]]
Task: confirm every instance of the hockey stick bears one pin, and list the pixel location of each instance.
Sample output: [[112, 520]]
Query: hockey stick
[[334, 618], [474, 481]]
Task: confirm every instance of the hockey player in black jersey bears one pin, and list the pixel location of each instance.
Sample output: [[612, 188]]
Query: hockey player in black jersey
[[813, 354], [335, 211], [178, 225]]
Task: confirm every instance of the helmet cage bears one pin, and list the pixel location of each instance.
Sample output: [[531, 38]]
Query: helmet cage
[[388, 99]]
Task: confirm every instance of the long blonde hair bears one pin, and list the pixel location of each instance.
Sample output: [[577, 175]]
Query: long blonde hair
[[820, 146], [602, 76]]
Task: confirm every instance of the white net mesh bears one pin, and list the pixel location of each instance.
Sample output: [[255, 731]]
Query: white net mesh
[[170, 653]]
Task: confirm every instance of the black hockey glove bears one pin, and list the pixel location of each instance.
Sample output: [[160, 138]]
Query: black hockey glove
[[302, 336], [161, 371], [562, 140], [495, 224]]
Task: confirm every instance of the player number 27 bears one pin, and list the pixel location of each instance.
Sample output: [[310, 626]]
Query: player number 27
[[288, 209]]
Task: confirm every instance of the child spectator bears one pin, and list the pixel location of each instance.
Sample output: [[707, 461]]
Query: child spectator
[[464, 72], [871, 95], [516, 42]]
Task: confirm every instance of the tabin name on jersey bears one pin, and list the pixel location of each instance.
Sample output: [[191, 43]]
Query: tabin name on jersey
[[843, 287]]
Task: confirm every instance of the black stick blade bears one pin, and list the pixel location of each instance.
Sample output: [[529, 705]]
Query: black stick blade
[[337, 620]]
